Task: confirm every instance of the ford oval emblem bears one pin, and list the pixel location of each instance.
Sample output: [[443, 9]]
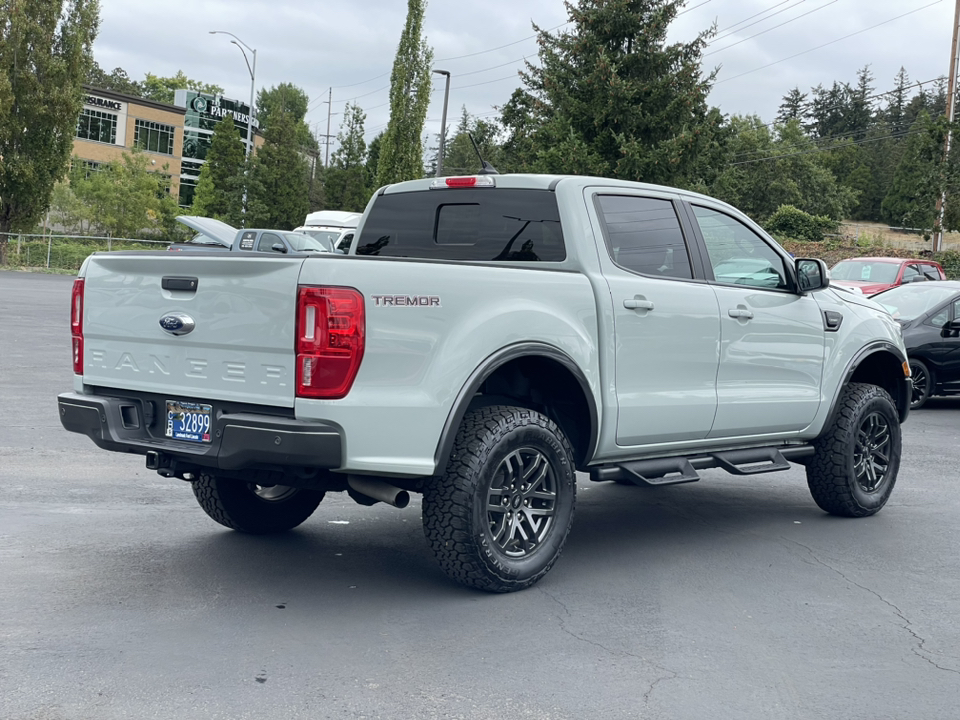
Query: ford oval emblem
[[177, 323]]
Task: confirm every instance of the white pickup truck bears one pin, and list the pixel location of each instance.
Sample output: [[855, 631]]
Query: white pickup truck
[[485, 338]]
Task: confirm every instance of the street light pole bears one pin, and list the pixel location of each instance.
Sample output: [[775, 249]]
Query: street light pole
[[443, 121], [253, 79]]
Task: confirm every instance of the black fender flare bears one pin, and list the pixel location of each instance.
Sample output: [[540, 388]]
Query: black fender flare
[[906, 384], [490, 365]]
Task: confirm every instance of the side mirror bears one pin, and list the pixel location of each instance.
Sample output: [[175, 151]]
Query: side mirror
[[812, 274], [279, 247]]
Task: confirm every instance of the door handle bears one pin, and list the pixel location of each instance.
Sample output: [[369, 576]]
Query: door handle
[[740, 314], [637, 304]]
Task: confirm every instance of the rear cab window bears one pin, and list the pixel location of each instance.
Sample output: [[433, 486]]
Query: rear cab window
[[644, 236], [475, 224]]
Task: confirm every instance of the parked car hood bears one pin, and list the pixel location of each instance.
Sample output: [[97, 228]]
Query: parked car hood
[[214, 229], [867, 288]]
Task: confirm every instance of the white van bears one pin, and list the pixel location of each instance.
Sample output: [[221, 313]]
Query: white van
[[334, 226]]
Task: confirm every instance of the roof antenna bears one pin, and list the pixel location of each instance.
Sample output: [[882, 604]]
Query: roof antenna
[[486, 168]]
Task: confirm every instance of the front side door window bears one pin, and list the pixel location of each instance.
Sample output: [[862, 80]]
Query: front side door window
[[910, 273], [267, 241], [738, 255]]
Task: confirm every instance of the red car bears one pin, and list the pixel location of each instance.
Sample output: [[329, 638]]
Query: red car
[[871, 275]]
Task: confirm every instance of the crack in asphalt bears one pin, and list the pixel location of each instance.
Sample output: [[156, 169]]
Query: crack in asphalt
[[897, 611], [670, 674]]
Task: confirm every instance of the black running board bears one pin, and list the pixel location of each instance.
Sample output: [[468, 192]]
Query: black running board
[[678, 470]]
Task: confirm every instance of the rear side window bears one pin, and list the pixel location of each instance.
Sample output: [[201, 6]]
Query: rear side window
[[644, 236], [465, 224]]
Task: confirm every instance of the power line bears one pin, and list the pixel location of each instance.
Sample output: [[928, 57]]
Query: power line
[[828, 149], [516, 42], [684, 12], [832, 42], [762, 12], [764, 32], [728, 31]]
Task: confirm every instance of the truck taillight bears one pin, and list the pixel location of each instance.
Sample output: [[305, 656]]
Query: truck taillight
[[76, 325], [330, 340]]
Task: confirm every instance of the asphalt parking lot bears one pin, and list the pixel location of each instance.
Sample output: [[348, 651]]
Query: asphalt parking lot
[[730, 598]]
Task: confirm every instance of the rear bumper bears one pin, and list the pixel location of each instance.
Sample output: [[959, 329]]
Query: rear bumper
[[240, 440]]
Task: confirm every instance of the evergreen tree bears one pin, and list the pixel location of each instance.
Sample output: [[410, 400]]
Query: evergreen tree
[[278, 191], [896, 110], [860, 108], [45, 54], [916, 184], [401, 151], [291, 99], [612, 98], [461, 157], [221, 185], [829, 110], [793, 107], [347, 185]]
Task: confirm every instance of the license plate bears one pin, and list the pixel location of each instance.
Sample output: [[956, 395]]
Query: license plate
[[188, 421]]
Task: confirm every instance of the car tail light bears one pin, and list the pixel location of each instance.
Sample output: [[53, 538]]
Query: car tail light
[[76, 325], [464, 181], [330, 340]]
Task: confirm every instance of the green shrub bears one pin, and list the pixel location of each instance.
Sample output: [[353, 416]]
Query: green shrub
[[791, 222], [950, 259]]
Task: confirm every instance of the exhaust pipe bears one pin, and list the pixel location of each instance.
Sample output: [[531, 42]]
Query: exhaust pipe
[[379, 490]]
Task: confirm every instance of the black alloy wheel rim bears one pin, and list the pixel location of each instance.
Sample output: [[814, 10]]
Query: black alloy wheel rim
[[920, 381], [522, 502], [871, 454]]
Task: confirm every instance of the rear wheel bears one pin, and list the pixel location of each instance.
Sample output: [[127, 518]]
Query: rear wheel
[[498, 518], [252, 508], [922, 383], [858, 456]]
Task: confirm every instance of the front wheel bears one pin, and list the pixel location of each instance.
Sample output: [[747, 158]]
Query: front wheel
[[252, 508], [498, 518], [922, 384], [858, 456]]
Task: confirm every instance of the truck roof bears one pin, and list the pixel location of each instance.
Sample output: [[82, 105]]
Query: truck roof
[[333, 218], [522, 181]]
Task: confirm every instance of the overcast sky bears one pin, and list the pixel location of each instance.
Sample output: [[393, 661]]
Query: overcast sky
[[350, 47]]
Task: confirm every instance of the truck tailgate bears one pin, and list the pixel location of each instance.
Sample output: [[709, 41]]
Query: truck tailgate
[[243, 310]]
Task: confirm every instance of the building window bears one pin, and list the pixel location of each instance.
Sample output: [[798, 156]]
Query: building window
[[154, 137], [97, 126], [87, 167]]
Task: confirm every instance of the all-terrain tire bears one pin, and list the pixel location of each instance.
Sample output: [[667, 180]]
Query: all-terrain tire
[[858, 455], [253, 508], [498, 517], [923, 383]]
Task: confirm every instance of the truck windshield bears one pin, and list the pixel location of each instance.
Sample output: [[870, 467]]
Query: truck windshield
[[911, 301], [865, 271], [465, 224], [307, 243]]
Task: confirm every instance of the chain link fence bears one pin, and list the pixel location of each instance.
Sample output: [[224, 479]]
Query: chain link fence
[[64, 252]]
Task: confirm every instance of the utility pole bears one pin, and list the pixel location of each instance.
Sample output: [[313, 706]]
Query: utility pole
[[326, 158], [951, 112]]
